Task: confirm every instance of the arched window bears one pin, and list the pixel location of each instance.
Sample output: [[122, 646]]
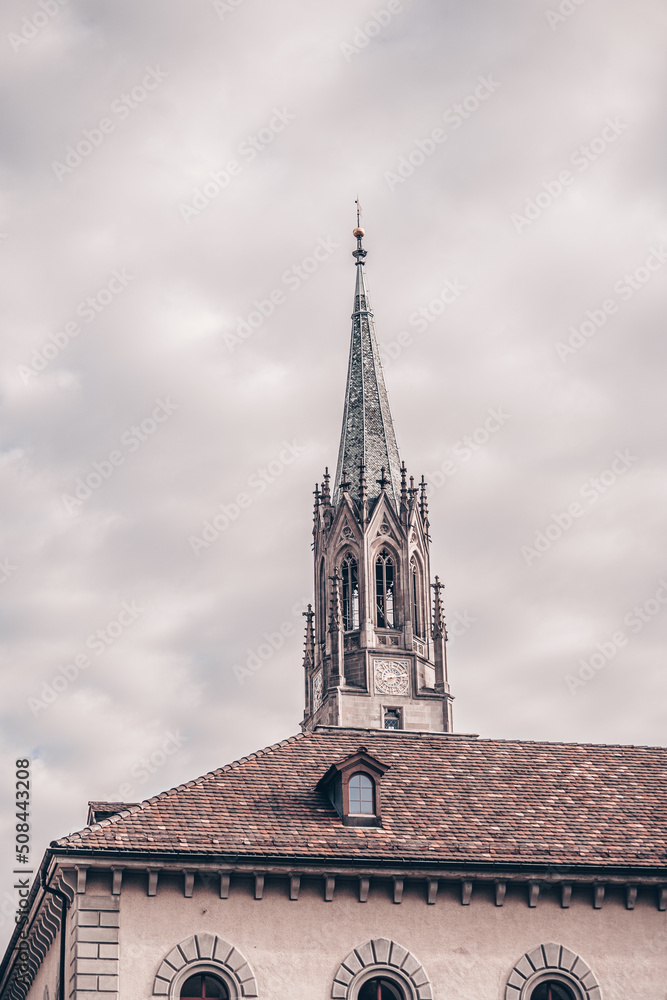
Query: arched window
[[361, 789], [380, 989], [551, 972], [384, 590], [203, 986], [350, 577], [552, 989], [417, 621], [323, 601]]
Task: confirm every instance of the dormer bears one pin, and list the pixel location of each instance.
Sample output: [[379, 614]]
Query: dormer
[[353, 787]]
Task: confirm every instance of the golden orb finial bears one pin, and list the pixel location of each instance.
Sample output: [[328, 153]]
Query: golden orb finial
[[358, 232]]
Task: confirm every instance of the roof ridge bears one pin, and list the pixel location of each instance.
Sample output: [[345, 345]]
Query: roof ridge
[[84, 831], [573, 743], [426, 734]]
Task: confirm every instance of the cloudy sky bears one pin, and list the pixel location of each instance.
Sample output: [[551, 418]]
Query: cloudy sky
[[178, 185]]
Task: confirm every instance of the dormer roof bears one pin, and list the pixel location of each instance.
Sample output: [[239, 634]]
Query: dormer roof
[[352, 763]]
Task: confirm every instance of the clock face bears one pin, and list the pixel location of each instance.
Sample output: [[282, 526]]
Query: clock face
[[392, 676], [317, 691]]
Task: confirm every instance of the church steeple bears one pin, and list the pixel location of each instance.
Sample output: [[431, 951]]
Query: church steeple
[[367, 436], [377, 658]]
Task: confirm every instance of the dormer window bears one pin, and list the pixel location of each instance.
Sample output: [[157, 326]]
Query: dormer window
[[362, 790], [353, 788]]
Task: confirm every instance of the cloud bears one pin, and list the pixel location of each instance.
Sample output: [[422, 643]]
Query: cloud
[[184, 91]]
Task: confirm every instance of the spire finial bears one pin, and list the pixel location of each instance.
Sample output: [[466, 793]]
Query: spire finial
[[359, 253], [326, 492], [309, 645], [383, 481], [423, 502], [334, 618], [439, 627]]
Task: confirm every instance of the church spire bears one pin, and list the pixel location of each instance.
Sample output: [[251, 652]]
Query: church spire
[[367, 437], [375, 653]]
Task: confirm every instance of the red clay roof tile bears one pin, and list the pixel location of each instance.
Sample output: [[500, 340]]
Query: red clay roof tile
[[443, 798]]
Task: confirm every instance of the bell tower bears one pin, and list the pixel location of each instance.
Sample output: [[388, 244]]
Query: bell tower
[[375, 654]]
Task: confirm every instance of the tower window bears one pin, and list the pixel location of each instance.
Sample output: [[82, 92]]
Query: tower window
[[361, 790], [384, 590], [392, 719], [323, 601], [350, 577], [416, 617], [203, 987]]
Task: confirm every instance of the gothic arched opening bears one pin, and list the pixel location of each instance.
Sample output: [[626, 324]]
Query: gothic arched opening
[[415, 597], [385, 590], [350, 595]]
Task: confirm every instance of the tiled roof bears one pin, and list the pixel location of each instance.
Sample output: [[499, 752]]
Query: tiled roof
[[445, 799]]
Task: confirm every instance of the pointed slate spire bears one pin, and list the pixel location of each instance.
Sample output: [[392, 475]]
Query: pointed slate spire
[[367, 437]]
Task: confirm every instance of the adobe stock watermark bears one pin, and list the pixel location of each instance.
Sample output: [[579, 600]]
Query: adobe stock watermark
[[459, 623], [224, 7], [257, 483], [636, 619], [592, 490], [566, 8], [454, 117], [468, 446], [143, 769], [293, 278], [625, 288], [88, 310], [121, 108], [97, 642], [272, 642], [248, 150], [130, 441], [581, 158], [8, 909], [7, 570], [364, 33], [33, 24], [421, 319]]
